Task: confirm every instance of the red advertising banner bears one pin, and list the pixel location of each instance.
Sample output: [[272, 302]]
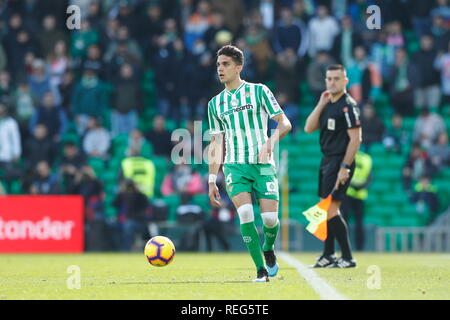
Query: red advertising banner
[[38, 224]]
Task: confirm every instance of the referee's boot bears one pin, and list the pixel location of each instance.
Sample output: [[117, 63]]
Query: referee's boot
[[344, 263], [262, 275], [271, 263], [325, 261]]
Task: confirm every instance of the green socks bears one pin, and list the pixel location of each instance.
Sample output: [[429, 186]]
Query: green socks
[[251, 240], [270, 235]]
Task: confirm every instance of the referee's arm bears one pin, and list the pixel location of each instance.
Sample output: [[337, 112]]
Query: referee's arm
[[352, 148], [353, 145], [312, 122]]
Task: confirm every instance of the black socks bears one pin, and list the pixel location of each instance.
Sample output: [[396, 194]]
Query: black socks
[[328, 249], [337, 228]]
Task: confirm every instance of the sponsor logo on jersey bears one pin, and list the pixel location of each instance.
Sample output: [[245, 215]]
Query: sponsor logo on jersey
[[331, 124], [238, 109]]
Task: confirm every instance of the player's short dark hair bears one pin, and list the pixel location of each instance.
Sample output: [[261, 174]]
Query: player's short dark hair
[[233, 52], [336, 67]]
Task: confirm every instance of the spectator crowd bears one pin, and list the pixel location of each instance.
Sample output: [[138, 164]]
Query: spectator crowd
[[136, 65]]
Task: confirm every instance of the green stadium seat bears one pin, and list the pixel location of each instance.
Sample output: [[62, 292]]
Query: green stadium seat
[[400, 221], [97, 164], [307, 187], [110, 212], [120, 139], [374, 220], [172, 201], [111, 189], [377, 150], [170, 125], [385, 210], [299, 175], [388, 174], [71, 137], [16, 187], [408, 123], [379, 186], [308, 162], [115, 163], [446, 173], [109, 176], [412, 47], [394, 161], [310, 149], [159, 162], [393, 198], [202, 200]]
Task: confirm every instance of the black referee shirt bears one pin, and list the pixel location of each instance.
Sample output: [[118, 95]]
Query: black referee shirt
[[336, 118]]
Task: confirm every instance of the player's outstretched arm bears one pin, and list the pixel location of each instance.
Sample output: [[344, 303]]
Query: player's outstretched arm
[[312, 122], [215, 158]]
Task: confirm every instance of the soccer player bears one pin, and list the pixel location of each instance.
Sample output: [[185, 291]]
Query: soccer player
[[337, 117], [238, 118]]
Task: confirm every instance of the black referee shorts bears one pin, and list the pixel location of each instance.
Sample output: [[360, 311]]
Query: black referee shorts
[[328, 172]]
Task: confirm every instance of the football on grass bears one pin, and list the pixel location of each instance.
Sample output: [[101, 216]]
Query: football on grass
[[159, 251]]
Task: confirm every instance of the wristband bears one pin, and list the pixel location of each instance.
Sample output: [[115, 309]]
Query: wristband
[[346, 166], [212, 178]]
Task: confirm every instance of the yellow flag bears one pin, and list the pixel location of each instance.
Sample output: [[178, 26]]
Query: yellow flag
[[317, 217]]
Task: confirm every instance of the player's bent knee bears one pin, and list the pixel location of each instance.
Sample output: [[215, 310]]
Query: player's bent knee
[[245, 213], [270, 219]]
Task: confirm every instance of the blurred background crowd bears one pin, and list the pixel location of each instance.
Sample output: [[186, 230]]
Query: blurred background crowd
[[91, 111]]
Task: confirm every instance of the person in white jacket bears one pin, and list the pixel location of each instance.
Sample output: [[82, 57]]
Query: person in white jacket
[[322, 30], [10, 147], [97, 140]]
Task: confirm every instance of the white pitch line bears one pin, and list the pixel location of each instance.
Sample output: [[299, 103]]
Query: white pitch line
[[323, 289]]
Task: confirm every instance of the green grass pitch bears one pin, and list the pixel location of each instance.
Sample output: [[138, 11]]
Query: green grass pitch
[[220, 276]]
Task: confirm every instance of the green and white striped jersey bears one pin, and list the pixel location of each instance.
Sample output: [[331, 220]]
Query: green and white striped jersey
[[243, 115]]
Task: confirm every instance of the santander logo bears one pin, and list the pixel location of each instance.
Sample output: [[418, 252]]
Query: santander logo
[[44, 229]]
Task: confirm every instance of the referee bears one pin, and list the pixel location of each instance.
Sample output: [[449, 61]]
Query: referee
[[337, 117]]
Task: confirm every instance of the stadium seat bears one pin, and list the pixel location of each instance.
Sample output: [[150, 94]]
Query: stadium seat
[[97, 164], [401, 221], [202, 200], [108, 176], [172, 201]]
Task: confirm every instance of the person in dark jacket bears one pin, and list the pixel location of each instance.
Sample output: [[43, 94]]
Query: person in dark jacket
[[90, 188], [345, 42], [290, 32], [166, 77], [132, 206], [198, 76], [160, 137], [54, 117], [18, 42], [39, 147], [127, 101], [44, 182], [89, 98], [428, 92], [70, 166], [420, 15], [372, 127], [94, 61], [403, 80]]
